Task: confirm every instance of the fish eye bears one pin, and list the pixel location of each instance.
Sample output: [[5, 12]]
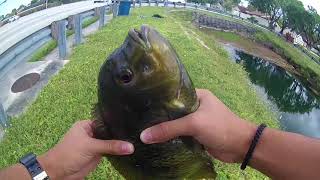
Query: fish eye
[[146, 68]]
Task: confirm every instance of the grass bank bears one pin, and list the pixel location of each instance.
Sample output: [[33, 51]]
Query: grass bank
[[308, 70], [52, 44], [70, 95]]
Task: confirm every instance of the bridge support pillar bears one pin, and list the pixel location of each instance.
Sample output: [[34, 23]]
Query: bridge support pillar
[[3, 117], [102, 14], [115, 9], [78, 29], [133, 3], [58, 31], [166, 3]]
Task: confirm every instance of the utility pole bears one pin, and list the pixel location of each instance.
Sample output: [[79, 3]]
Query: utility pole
[[46, 4]]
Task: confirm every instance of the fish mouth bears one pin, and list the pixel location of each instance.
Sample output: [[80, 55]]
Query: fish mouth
[[141, 36]]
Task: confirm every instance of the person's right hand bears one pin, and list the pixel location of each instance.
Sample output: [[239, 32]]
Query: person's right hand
[[225, 135], [79, 153]]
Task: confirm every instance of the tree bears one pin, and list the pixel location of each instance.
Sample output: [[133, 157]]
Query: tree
[[306, 23], [14, 12], [253, 20], [251, 8], [212, 2], [286, 8], [21, 7], [229, 4], [271, 7], [34, 1], [1, 17]]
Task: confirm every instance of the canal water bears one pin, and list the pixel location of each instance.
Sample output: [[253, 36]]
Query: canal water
[[298, 110]]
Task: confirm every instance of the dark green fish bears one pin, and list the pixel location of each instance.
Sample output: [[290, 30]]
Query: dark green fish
[[141, 84]]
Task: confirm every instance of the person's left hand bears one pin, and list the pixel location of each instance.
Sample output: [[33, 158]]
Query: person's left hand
[[79, 153]]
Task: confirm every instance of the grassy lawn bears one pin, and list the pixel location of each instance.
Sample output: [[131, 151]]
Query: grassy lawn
[[52, 44], [70, 95]]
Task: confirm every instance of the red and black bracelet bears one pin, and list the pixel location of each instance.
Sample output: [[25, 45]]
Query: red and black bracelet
[[253, 145]]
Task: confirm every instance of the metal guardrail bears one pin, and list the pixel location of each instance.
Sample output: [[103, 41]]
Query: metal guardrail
[[30, 44], [57, 30]]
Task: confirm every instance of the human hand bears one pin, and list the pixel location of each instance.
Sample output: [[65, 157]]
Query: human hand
[[225, 135], [78, 153]]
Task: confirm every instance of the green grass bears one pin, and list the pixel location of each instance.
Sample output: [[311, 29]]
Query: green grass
[[51, 45], [227, 36], [90, 21], [70, 95], [85, 24], [43, 51], [309, 52]]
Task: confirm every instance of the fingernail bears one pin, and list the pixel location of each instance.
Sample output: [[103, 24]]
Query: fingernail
[[146, 136], [127, 148]]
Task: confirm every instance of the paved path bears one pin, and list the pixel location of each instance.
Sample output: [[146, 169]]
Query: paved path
[[12, 33]]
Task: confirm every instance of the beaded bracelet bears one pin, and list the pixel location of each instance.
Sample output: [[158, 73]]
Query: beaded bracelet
[[252, 146]]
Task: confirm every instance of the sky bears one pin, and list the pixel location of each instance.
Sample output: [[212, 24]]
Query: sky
[[11, 4]]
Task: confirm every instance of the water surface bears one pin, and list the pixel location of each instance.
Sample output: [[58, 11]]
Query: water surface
[[297, 108]]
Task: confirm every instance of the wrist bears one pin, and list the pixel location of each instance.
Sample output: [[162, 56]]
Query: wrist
[[48, 164], [246, 132]]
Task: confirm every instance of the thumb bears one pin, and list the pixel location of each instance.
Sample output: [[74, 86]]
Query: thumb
[[166, 131], [112, 147]]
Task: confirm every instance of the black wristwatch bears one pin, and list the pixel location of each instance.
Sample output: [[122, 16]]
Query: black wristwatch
[[33, 166]]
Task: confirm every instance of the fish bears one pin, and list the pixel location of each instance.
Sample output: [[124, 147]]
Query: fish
[[141, 84]]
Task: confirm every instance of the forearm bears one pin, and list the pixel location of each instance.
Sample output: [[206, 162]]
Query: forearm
[[15, 172], [19, 172], [283, 155]]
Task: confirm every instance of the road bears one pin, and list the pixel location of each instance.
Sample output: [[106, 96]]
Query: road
[[12, 33]]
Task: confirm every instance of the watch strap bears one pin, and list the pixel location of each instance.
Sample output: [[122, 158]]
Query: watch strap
[[31, 163]]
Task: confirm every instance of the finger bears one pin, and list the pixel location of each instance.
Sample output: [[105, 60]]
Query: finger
[[166, 131], [112, 147]]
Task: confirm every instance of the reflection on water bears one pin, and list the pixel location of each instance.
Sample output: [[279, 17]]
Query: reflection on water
[[299, 109]]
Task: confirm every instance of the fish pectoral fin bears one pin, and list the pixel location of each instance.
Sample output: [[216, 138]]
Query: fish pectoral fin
[[192, 144], [175, 106]]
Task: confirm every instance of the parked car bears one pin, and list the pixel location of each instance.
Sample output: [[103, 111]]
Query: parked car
[[101, 1], [13, 18], [177, 1]]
